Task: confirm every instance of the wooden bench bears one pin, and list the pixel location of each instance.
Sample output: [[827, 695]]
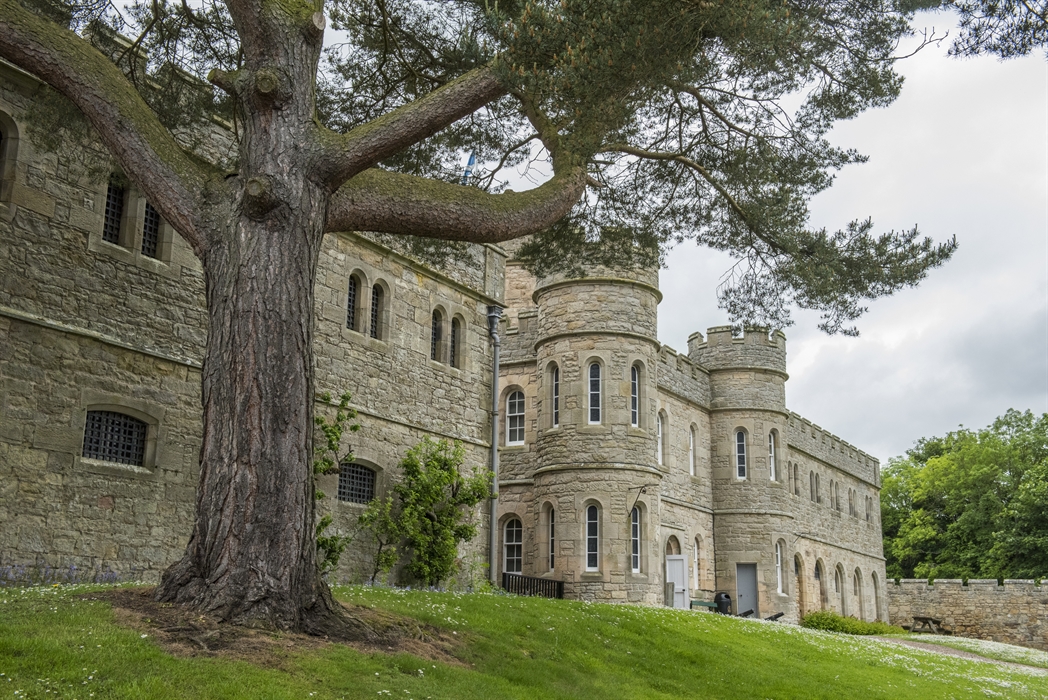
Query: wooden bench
[[703, 604], [927, 624]]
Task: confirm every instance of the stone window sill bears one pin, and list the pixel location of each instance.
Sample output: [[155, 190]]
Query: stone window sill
[[103, 468]]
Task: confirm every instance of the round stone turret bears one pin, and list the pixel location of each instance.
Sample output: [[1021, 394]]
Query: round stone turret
[[747, 372]]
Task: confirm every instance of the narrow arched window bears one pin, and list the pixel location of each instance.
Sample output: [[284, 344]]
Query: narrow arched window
[[691, 451], [114, 212], [555, 397], [695, 564], [594, 393], [660, 427], [837, 495], [811, 485], [635, 540], [592, 538], [869, 508], [436, 335], [740, 454], [377, 299], [351, 302], [453, 345], [356, 483], [634, 396], [115, 437], [552, 537], [515, 418], [773, 469], [796, 480], [818, 490], [513, 541], [151, 232], [778, 567]]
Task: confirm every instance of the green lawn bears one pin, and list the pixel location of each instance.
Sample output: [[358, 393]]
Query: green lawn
[[54, 645]]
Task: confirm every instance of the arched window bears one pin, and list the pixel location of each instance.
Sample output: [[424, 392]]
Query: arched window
[[660, 437], [555, 395], [740, 454], [515, 418], [151, 232], [796, 480], [818, 490], [352, 299], [552, 537], [513, 547], [634, 396], [356, 483], [852, 510], [773, 468], [696, 562], [592, 538], [436, 336], [377, 301], [779, 577], [453, 346], [594, 393], [8, 155], [837, 495], [691, 450], [878, 610], [113, 218], [115, 437], [635, 540], [869, 508], [811, 484]]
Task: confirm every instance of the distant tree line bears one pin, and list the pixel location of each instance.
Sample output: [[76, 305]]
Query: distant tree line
[[971, 504]]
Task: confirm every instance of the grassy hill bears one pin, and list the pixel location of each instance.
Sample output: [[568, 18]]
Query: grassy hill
[[53, 643]]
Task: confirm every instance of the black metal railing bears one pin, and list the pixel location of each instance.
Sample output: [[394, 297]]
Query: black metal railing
[[530, 585]]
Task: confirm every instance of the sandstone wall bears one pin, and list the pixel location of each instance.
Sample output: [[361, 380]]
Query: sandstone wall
[[1015, 613]]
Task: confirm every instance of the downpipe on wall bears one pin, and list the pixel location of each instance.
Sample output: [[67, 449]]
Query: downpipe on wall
[[494, 315]]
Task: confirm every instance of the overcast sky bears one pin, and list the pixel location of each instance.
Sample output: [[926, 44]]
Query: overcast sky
[[963, 152]]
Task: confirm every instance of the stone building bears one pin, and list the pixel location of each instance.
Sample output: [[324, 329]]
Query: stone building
[[624, 465]]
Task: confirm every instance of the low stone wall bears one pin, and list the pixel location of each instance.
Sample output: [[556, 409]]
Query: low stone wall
[[1015, 613]]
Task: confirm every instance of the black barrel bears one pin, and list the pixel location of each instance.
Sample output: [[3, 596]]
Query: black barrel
[[723, 601]]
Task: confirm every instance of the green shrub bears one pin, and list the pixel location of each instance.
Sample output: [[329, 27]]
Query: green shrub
[[829, 621]]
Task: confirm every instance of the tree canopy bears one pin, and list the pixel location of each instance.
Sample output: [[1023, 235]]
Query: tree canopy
[[970, 504]]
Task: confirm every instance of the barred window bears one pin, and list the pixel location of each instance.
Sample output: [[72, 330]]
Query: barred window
[[151, 232], [356, 484], [515, 418], [351, 303], [513, 562], [740, 454], [436, 335], [114, 213], [376, 311], [115, 437], [453, 350], [594, 393]]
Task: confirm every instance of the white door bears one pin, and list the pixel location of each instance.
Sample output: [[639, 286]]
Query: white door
[[677, 573]]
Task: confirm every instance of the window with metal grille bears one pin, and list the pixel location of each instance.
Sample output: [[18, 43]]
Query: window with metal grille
[[740, 454], [356, 484], [453, 351], [634, 396], [592, 538], [376, 311], [556, 396], [151, 232], [635, 540], [594, 393], [435, 336], [115, 437], [114, 213], [515, 418], [351, 303], [513, 562], [552, 536]]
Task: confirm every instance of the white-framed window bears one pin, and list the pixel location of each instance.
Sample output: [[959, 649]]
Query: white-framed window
[[691, 451], [696, 571], [778, 567], [555, 395], [515, 418], [592, 538], [634, 396], [660, 424], [773, 468], [594, 393], [552, 537], [740, 454], [635, 540], [513, 547]]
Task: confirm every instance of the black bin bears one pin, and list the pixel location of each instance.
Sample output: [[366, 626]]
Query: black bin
[[723, 601]]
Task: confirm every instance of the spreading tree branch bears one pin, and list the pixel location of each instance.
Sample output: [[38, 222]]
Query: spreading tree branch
[[386, 202], [172, 180]]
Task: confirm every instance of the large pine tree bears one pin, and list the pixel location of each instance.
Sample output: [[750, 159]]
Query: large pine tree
[[662, 120]]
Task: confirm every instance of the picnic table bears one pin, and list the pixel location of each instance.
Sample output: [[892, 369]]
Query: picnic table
[[927, 624]]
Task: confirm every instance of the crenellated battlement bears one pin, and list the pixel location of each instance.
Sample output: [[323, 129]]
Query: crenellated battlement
[[829, 448], [682, 376], [756, 348]]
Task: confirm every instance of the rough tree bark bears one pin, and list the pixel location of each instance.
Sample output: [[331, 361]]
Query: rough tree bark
[[252, 556]]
